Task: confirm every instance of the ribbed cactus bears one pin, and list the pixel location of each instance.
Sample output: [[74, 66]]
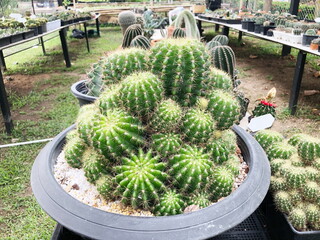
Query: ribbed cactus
[[171, 203], [298, 219], [223, 39], [280, 150], [233, 164], [224, 108], [228, 137], [282, 201], [167, 116], [263, 108], [187, 18], [275, 164], [297, 31], [295, 196], [224, 59], [105, 186], [140, 42], [218, 149], [140, 179], [309, 149], [94, 165], [312, 173], [278, 183], [166, 144], [130, 33], [296, 139], [201, 199], [125, 19], [141, 92], [190, 168], [179, 33], [109, 98], [296, 161], [295, 176], [95, 84], [182, 65], [311, 191], [198, 125], [221, 182], [313, 216], [218, 79], [268, 137], [316, 163], [212, 44], [116, 133], [74, 150]]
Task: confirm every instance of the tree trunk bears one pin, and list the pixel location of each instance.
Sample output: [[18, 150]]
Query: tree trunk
[[267, 5]]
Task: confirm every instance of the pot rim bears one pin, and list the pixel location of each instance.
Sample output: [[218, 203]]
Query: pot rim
[[81, 94]]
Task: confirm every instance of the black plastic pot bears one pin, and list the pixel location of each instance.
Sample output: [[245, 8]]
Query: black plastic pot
[[35, 31], [16, 37], [251, 26], [40, 30], [28, 34], [244, 24], [79, 90], [204, 223], [306, 39], [270, 33], [264, 29], [257, 28], [5, 41]]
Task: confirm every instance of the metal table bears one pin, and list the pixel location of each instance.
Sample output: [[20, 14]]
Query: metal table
[[301, 59], [5, 107]]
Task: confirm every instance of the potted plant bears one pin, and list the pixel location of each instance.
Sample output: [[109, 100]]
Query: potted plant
[[315, 43], [258, 23], [308, 36], [265, 27], [251, 23]]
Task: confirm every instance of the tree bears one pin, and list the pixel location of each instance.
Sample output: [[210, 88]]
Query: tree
[[267, 5], [6, 5]]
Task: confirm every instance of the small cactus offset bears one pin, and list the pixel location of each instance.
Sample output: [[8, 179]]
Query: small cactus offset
[[221, 182], [224, 108], [233, 164], [130, 33], [283, 202], [74, 150], [309, 149], [224, 40], [278, 183], [298, 219], [105, 186], [125, 19], [95, 82], [295, 176], [166, 144], [109, 98], [219, 79], [313, 216], [281, 150], [170, 203], [201, 199], [190, 168], [94, 165], [179, 33], [268, 137], [224, 59], [140, 42], [311, 191], [140, 179], [212, 44]]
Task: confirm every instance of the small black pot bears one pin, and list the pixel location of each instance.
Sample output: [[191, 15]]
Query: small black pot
[[16, 37], [270, 33], [244, 24], [264, 29], [306, 39], [5, 41], [28, 34], [40, 30], [251, 26], [87, 18], [64, 22], [35, 30], [79, 90], [257, 28]]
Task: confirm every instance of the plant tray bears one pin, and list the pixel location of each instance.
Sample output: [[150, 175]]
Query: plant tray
[[4, 41], [28, 34], [16, 37], [228, 21]]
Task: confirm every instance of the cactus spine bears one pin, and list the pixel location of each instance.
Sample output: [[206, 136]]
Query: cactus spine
[[140, 42], [280, 150], [219, 79], [222, 182], [224, 59], [109, 98], [171, 203], [201, 199], [125, 19], [166, 144]]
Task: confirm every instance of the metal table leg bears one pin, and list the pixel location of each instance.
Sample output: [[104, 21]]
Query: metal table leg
[[2, 61], [296, 83], [5, 108], [86, 35], [225, 31], [240, 36], [199, 24], [64, 47], [286, 50], [42, 45], [217, 27], [98, 26]]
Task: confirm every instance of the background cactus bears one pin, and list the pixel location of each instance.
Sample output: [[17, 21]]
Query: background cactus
[[186, 17], [166, 144], [263, 108], [179, 33], [171, 203], [130, 33], [224, 59], [212, 44], [268, 137], [125, 19], [140, 42], [222, 39], [280, 150], [309, 148]]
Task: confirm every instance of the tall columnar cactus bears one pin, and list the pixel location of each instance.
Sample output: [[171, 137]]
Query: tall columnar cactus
[[109, 98], [116, 133], [224, 108], [105, 186], [198, 125], [140, 42], [280, 150], [264, 108], [141, 92], [126, 19], [187, 18], [94, 165], [212, 44], [298, 219], [167, 116], [166, 144], [201, 199], [74, 150], [221, 182], [140, 179], [282, 201], [179, 33], [268, 137], [309, 149], [131, 32], [313, 216], [171, 203], [224, 59], [182, 65], [218, 79], [223, 39], [190, 168], [94, 84]]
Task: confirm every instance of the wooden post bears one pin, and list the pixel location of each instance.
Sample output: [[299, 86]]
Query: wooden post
[[294, 6]]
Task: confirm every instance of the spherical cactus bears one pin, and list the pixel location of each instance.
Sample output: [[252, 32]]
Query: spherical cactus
[[171, 203], [296, 161], [74, 150], [295, 176], [105, 186], [140, 179], [125, 19], [309, 149], [276, 164], [316, 163], [166, 144], [296, 139], [178, 33], [94, 165], [141, 92], [140, 42], [297, 31], [313, 216], [311, 191], [198, 125], [264, 108], [278, 183], [312, 173], [95, 84], [218, 79], [282, 201], [116, 133], [130, 33], [229, 137], [167, 116], [190, 168], [298, 219], [280, 150], [212, 44], [109, 98], [182, 65], [224, 108], [233, 164], [201, 199], [122, 63], [221, 182], [268, 137], [295, 196], [224, 59], [218, 149], [223, 39]]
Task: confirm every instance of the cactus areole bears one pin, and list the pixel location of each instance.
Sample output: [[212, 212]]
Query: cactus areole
[[204, 223]]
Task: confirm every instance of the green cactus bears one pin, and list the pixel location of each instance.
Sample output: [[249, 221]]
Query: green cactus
[[276, 164], [140, 179], [201, 199], [297, 31], [224, 59], [212, 44], [295, 176], [263, 108], [109, 98], [224, 108], [311, 32], [167, 116], [278, 183], [179, 33], [166, 144], [296, 139], [228, 137], [218, 149], [94, 165], [105, 186], [140, 42], [316, 163], [131, 32], [309, 149], [312, 173], [198, 125], [295, 196], [298, 219], [280, 150], [171, 203], [296, 161], [282, 201], [311, 191], [141, 92], [95, 84], [222, 39], [218, 79], [233, 164], [221, 182], [126, 19], [74, 149], [116, 133], [182, 65], [190, 168], [268, 137], [313, 216]]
